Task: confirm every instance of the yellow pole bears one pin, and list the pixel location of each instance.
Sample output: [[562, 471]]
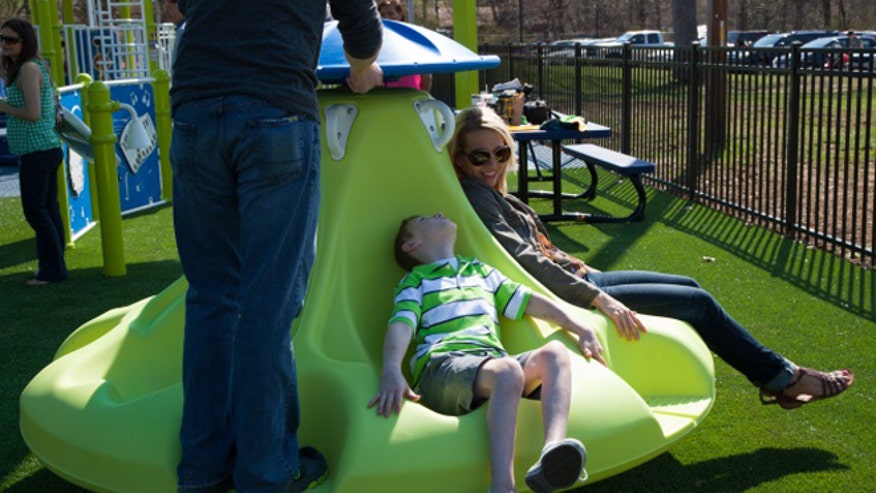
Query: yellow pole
[[67, 11], [45, 14], [151, 36], [86, 80], [103, 141], [161, 88], [465, 31]]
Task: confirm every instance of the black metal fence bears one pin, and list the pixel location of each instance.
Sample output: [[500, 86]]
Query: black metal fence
[[785, 138]]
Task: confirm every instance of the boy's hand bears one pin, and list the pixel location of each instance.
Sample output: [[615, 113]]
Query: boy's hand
[[393, 390], [590, 346]]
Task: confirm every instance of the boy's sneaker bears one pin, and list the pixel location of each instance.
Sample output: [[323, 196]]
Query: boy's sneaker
[[560, 466], [312, 471]]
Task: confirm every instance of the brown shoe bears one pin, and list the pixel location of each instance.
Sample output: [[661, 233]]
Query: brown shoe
[[832, 384]]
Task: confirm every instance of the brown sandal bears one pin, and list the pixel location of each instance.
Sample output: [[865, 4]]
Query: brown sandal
[[832, 384]]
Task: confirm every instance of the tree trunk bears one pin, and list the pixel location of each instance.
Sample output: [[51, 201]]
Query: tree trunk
[[684, 23], [825, 13], [742, 15]]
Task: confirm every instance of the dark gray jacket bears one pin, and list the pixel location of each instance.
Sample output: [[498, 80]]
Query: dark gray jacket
[[522, 234], [266, 49]]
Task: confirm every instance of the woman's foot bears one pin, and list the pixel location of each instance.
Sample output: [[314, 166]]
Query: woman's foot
[[808, 386]]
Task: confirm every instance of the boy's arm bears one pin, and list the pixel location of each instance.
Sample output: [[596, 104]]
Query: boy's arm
[[541, 307], [393, 386]]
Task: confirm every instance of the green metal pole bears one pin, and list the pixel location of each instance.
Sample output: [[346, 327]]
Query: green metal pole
[[465, 31], [103, 141], [86, 80], [161, 88], [151, 36]]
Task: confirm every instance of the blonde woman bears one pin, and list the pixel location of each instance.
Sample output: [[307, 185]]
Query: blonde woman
[[481, 152]]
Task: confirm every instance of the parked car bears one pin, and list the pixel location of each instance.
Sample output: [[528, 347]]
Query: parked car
[[744, 38], [761, 55], [564, 48], [827, 53], [612, 47]]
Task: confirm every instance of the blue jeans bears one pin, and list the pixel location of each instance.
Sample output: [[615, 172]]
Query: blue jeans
[[682, 298], [38, 180], [246, 198]]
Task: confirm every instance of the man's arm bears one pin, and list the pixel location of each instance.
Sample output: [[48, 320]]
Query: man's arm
[[360, 26], [542, 307], [393, 386]]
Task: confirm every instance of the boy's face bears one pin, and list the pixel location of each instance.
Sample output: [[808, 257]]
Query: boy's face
[[432, 231]]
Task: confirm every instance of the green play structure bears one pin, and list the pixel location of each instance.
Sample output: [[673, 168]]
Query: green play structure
[[105, 413]]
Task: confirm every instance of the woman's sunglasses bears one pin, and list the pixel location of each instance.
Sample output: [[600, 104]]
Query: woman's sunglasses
[[10, 40], [481, 157]]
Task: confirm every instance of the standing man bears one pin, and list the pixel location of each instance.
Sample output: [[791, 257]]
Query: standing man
[[246, 159], [855, 42]]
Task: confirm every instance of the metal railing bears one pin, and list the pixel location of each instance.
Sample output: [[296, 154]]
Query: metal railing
[[785, 138]]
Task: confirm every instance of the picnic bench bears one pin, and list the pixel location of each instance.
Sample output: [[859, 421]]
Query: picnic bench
[[627, 166]]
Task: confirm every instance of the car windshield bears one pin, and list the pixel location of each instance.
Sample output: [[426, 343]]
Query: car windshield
[[769, 40], [625, 37], [820, 43]]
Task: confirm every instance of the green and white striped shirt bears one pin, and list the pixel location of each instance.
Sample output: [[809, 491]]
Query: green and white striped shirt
[[454, 305]]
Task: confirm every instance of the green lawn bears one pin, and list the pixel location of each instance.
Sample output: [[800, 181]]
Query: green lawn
[[814, 308]]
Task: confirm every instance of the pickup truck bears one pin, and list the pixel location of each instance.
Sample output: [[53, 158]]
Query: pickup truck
[[612, 48]]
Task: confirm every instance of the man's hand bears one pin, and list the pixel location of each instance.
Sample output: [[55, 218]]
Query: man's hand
[[393, 390], [625, 320], [364, 75]]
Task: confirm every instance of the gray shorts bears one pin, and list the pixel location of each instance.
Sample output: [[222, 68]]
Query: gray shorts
[[447, 384]]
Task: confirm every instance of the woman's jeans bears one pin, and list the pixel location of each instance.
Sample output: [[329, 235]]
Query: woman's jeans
[[246, 197], [682, 298], [38, 179]]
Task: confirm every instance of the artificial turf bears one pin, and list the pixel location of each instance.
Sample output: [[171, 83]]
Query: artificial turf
[[813, 307]]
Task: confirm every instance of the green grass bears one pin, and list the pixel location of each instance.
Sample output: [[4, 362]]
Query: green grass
[[814, 308]]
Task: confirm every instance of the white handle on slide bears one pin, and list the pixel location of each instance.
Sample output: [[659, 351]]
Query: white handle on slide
[[338, 120], [440, 134]]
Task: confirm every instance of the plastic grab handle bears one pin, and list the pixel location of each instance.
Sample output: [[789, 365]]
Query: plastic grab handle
[[440, 136]]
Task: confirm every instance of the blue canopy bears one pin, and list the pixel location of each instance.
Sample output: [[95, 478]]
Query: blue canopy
[[407, 49]]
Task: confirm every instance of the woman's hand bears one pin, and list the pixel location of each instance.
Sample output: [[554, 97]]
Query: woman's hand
[[393, 390], [625, 320]]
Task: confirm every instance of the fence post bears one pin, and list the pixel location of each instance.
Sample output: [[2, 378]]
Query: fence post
[[540, 70], [510, 61], [791, 140], [693, 124], [626, 99], [579, 81]]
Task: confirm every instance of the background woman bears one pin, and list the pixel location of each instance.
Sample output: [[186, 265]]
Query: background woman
[[31, 134], [395, 11], [482, 150]]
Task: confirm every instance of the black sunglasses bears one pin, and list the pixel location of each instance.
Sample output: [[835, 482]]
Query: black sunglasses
[[10, 40], [480, 157]]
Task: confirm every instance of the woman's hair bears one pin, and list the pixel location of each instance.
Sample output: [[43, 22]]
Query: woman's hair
[[29, 48], [480, 118]]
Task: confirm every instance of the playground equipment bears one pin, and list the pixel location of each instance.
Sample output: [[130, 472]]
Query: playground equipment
[[105, 414]]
